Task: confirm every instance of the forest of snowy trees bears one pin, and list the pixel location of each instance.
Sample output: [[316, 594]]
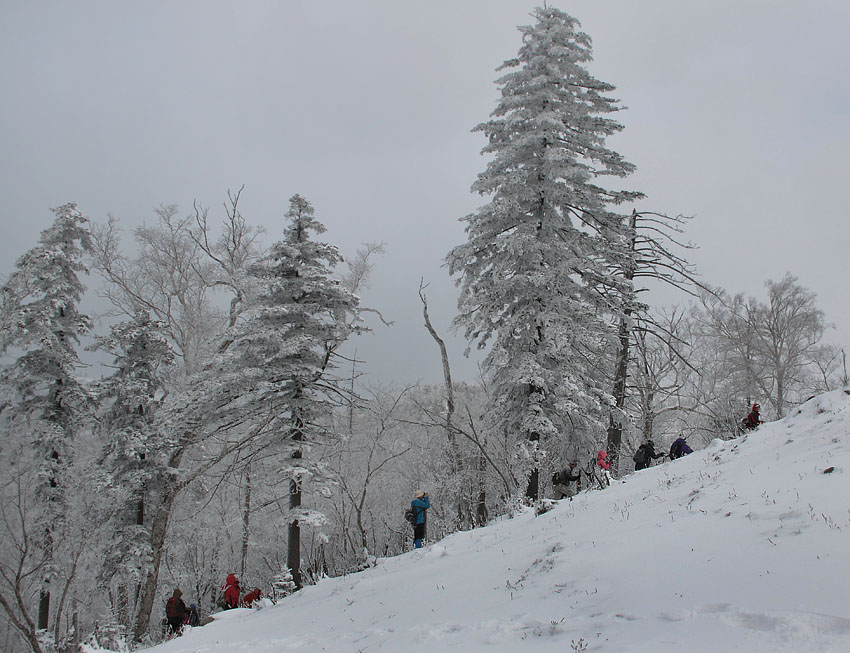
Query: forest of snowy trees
[[227, 429]]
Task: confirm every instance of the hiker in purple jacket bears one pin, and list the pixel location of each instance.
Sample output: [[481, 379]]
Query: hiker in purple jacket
[[679, 448]]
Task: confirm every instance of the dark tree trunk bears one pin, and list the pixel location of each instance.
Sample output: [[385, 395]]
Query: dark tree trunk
[[532, 491], [43, 610], [481, 513], [293, 554], [615, 425], [159, 529], [246, 521]]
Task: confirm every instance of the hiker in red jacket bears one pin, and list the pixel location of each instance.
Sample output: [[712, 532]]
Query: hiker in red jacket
[[602, 461], [231, 592], [175, 612], [752, 420], [250, 597]]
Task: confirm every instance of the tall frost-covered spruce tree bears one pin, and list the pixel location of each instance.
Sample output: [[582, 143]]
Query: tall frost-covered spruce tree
[[134, 458], [539, 279], [278, 361], [43, 295]]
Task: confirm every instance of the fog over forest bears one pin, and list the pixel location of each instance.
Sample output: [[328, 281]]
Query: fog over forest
[[367, 111]]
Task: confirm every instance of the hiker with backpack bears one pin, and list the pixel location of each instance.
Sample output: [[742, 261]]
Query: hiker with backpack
[[562, 480], [645, 454], [231, 592], [420, 507], [175, 612], [679, 448], [751, 421]]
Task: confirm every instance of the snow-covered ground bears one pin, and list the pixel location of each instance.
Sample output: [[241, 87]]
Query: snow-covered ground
[[744, 546]]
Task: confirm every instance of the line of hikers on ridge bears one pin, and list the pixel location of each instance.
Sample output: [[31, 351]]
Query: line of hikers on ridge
[[177, 615], [597, 471]]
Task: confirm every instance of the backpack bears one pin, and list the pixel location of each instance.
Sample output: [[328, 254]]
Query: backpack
[[676, 449], [641, 455], [171, 608], [410, 515]]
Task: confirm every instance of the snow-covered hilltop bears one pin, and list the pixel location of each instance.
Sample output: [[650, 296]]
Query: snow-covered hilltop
[[741, 546]]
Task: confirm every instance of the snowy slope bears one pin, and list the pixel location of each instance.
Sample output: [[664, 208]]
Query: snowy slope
[[743, 546]]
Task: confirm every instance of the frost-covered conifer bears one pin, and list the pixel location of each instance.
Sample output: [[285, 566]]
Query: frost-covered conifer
[[133, 461], [44, 322], [282, 585], [276, 367], [539, 272]]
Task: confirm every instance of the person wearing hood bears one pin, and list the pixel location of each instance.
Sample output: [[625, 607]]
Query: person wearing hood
[[420, 507], [175, 612], [679, 448], [231, 592], [563, 480], [604, 476], [251, 597], [752, 420]]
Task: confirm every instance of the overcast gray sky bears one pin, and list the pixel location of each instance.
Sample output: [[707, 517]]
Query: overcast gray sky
[[738, 114]]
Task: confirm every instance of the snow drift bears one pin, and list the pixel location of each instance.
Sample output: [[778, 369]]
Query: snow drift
[[741, 546]]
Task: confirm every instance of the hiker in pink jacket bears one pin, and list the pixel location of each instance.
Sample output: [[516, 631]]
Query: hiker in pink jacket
[[602, 474]]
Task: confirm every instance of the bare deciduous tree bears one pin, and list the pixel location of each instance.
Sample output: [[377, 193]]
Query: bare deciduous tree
[[167, 278], [776, 347], [230, 254], [363, 457]]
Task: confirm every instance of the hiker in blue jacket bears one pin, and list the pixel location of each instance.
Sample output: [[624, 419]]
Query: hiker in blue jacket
[[420, 505]]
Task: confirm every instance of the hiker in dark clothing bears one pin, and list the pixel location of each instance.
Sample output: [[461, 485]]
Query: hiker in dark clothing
[[645, 454], [175, 612], [562, 480], [679, 448], [193, 617], [420, 506], [752, 420]]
